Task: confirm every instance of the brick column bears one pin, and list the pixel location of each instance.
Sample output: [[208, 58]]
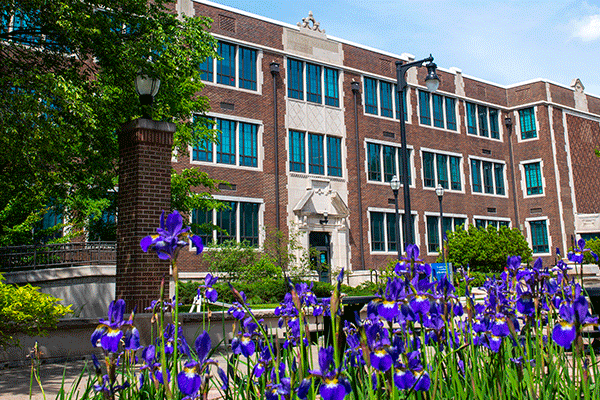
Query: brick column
[[144, 192]]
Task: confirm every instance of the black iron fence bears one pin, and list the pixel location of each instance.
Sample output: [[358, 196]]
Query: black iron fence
[[23, 258]]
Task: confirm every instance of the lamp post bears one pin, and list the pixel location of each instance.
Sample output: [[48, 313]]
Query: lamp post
[[146, 88], [508, 123], [395, 185], [439, 190], [432, 81]]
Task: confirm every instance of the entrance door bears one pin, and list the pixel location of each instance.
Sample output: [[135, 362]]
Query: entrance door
[[320, 251]]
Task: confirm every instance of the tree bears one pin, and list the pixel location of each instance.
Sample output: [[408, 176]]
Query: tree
[[67, 69], [25, 310], [486, 250]]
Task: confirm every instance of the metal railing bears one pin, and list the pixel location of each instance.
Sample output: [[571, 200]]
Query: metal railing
[[32, 257]]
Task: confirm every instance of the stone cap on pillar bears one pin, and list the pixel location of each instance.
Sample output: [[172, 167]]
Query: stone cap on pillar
[[147, 130]]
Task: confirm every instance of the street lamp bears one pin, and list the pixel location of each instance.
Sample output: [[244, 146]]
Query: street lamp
[[439, 190], [432, 81], [146, 88], [395, 185]]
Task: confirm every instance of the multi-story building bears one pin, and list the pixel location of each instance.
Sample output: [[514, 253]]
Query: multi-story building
[[306, 153]]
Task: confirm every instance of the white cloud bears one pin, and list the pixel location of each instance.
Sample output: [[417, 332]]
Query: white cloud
[[588, 29]]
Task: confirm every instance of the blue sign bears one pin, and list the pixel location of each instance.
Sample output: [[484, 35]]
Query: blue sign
[[440, 269]]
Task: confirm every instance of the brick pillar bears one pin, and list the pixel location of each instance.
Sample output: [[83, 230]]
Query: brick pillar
[[144, 192]]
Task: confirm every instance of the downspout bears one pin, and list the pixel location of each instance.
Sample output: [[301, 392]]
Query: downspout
[[508, 123], [275, 73], [355, 92]]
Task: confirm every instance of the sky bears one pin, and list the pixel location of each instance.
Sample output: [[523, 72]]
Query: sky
[[502, 42]]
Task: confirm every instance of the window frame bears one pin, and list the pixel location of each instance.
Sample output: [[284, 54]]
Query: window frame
[[303, 157], [480, 161], [210, 69], [524, 181], [389, 244], [438, 155], [485, 118], [211, 152], [438, 108], [373, 103], [527, 135], [530, 236], [323, 89], [369, 144], [487, 219], [440, 225]]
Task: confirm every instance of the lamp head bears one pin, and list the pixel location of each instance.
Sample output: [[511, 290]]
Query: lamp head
[[395, 183], [146, 88], [274, 68], [439, 190], [432, 80], [355, 86], [507, 121]]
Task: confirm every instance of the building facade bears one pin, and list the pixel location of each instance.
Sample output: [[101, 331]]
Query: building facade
[[307, 154]]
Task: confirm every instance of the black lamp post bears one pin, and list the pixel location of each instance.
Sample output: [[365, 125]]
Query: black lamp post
[[439, 190], [508, 123], [432, 82], [146, 88], [395, 185]]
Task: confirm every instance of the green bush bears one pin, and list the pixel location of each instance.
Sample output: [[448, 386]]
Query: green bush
[[23, 309], [593, 245], [486, 250]]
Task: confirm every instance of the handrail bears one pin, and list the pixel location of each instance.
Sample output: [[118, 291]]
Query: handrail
[[44, 256]]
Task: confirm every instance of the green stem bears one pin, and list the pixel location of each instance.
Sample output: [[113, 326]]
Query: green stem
[[175, 320]]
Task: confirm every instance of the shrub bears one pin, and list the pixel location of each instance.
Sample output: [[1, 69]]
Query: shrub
[[593, 245], [486, 250], [23, 309]]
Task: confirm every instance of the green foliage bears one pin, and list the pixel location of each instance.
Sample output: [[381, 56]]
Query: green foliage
[[593, 245], [61, 114], [486, 250], [23, 309], [282, 250], [183, 196]]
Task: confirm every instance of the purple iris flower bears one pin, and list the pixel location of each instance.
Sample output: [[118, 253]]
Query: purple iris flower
[[333, 385], [152, 365], [264, 359], [420, 302], [281, 390], [109, 389], [208, 291], [412, 375], [110, 331], [378, 341], [244, 343], [171, 237], [577, 254], [574, 316], [236, 309], [189, 379]]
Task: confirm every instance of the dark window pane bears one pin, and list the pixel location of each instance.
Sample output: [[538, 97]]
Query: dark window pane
[[206, 70], [249, 223], [226, 221], [433, 234], [455, 183], [373, 154], [226, 66], [527, 118], [476, 175], [424, 112], [488, 179], [313, 83], [428, 169], [316, 161], [297, 160], [226, 145], [442, 170], [334, 156], [247, 68], [438, 110], [499, 177], [377, 233], [391, 231], [483, 125], [494, 130], [389, 163], [295, 80], [203, 152], [332, 92], [450, 114], [533, 179], [480, 223], [471, 119], [459, 222], [248, 145], [385, 90], [539, 237], [447, 226], [370, 96]]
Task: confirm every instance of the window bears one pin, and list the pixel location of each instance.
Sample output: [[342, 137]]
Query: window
[[321, 83], [496, 223], [238, 222], [539, 237], [237, 68], [238, 145], [441, 169], [323, 150], [493, 177], [533, 178], [444, 114], [482, 121], [390, 157], [379, 99], [433, 234], [527, 120], [383, 231]]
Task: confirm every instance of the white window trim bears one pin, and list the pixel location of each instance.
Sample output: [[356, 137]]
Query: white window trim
[[261, 219], [488, 218], [445, 153], [482, 193], [325, 175], [524, 178], [411, 163], [437, 214], [529, 235], [517, 124], [489, 137], [378, 98], [259, 74], [260, 153], [432, 126], [305, 83], [389, 211]]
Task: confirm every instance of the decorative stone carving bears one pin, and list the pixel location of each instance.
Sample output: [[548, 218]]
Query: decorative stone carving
[[577, 85], [306, 23], [581, 102]]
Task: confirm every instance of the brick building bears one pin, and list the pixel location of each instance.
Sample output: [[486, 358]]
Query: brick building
[[305, 153]]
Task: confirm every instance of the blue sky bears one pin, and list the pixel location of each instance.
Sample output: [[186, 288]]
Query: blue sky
[[502, 42]]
